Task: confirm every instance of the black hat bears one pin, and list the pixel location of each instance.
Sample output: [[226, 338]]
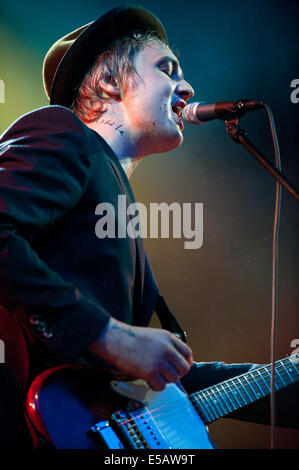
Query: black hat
[[70, 57]]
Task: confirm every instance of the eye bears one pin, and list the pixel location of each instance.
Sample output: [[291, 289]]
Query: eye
[[167, 68]]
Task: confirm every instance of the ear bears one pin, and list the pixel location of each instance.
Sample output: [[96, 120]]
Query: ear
[[109, 87]]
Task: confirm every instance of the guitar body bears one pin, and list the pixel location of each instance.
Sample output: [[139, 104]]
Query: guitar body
[[73, 407]]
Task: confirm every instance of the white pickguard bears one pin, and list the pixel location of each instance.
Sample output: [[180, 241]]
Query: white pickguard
[[175, 416]]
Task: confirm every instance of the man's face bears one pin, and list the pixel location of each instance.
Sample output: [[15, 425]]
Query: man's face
[[160, 94]]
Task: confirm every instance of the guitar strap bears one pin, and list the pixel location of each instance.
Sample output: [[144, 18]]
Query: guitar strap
[[168, 320]]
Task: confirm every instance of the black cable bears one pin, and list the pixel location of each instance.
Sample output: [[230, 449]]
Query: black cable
[[274, 276]]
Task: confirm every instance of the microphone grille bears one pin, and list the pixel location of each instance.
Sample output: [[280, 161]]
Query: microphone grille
[[189, 113]]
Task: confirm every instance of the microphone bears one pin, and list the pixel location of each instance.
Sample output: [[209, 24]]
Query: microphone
[[201, 112]]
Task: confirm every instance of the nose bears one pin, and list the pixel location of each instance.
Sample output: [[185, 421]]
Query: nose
[[184, 90]]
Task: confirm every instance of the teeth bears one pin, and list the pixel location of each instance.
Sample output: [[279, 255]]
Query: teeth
[[177, 110]]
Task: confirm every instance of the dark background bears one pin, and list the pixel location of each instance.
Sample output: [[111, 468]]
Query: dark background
[[221, 293]]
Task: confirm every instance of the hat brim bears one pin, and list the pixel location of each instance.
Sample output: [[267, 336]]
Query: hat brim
[[92, 41]]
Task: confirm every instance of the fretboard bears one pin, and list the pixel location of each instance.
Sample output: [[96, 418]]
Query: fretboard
[[230, 395]]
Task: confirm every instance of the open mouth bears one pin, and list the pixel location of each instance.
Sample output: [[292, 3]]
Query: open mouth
[[177, 113]]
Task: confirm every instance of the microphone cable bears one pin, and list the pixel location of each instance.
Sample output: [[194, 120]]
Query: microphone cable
[[274, 277]]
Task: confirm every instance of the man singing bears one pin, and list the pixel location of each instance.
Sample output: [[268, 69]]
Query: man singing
[[116, 93]]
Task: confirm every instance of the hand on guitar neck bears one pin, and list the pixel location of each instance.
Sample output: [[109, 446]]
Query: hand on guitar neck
[[154, 355]]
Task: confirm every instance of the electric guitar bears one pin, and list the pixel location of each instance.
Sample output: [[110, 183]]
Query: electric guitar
[[78, 407]]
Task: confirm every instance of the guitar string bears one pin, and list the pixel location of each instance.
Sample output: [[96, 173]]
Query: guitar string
[[200, 399], [196, 396], [181, 416], [253, 380], [207, 410], [256, 380], [209, 406], [220, 400]]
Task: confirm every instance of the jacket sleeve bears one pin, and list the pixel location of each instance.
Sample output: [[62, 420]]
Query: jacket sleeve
[[44, 170]]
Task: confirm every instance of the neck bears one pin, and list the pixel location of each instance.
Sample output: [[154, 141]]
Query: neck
[[129, 164], [237, 392], [116, 134]]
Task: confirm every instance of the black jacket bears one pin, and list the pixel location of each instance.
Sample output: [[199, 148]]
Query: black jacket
[[59, 278]]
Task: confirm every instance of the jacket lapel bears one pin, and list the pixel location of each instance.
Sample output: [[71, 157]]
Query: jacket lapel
[[126, 187], [127, 190]]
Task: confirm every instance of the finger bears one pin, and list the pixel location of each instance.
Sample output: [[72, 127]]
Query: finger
[[169, 373], [183, 349], [177, 361], [157, 382]]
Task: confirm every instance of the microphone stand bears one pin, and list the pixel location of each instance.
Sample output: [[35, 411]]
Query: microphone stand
[[239, 136]]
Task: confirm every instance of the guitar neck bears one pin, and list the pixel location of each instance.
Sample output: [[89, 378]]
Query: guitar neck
[[233, 394]]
